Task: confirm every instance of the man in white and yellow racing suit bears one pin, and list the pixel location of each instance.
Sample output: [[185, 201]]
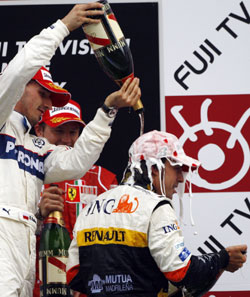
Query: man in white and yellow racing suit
[[128, 241]]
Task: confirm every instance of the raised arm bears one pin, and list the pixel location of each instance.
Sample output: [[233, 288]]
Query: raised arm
[[74, 163], [37, 52]]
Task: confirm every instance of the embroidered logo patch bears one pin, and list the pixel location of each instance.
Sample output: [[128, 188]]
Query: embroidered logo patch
[[184, 254]]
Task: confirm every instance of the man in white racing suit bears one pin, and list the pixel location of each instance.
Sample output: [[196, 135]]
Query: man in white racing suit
[[128, 242], [26, 92]]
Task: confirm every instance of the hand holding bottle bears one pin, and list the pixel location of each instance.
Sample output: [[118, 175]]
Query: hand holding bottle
[[51, 200], [128, 95], [81, 14]]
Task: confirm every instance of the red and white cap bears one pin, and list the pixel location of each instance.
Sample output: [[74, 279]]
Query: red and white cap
[[59, 96], [57, 116], [156, 145]]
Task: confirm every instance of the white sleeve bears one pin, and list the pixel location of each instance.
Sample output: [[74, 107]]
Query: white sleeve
[[73, 259], [73, 163], [166, 242], [35, 54]]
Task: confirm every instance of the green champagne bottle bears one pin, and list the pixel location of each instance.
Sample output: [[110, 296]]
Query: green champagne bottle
[[53, 254]]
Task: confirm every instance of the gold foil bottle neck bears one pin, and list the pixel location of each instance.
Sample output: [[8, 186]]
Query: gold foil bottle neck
[[138, 107], [56, 217]]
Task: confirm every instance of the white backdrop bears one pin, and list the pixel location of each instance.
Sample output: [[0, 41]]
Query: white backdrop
[[206, 78], [187, 24]]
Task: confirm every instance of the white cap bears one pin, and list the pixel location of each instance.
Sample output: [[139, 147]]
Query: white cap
[[156, 145]]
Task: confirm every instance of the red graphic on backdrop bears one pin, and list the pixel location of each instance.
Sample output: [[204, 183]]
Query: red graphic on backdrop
[[215, 130]]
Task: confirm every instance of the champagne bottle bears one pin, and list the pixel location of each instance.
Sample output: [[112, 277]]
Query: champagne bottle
[[111, 49], [53, 254]]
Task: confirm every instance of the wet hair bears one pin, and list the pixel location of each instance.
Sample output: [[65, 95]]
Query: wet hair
[[140, 178]]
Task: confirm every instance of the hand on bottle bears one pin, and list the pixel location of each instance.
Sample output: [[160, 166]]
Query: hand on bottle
[[237, 256], [81, 13], [51, 200], [128, 94]]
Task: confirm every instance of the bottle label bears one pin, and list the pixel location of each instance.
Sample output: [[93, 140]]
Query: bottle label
[[51, 253], [103, 51], [98, 36], [56, 290], [54, 270]]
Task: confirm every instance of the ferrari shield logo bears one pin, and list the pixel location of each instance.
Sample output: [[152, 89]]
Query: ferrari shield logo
[[73, 193]]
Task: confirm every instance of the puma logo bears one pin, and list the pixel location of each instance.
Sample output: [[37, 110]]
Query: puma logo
[[8, 211], [126, 207]]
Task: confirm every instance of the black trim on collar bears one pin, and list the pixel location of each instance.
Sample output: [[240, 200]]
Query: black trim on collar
[[163, 202]]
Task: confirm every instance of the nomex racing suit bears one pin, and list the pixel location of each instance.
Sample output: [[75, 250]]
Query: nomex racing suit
[[128, 242], [27, 162]]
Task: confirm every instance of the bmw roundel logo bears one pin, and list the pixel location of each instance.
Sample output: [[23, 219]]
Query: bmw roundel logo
[[39, 142]]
